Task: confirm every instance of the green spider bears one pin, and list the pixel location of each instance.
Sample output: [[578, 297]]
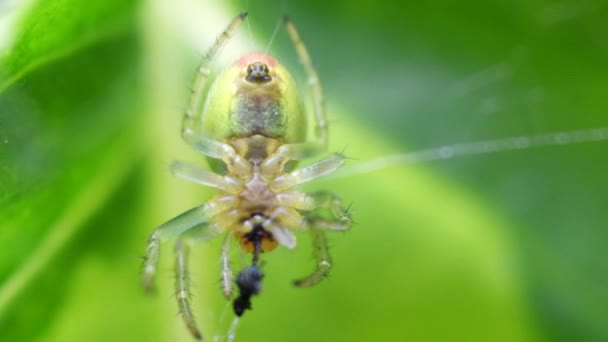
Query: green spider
[[252, 129]]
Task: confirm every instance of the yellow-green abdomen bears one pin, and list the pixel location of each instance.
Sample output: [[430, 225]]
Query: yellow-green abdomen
[[255, 96]]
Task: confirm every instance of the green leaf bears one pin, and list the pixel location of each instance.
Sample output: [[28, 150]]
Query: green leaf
[[68, 141], [58, 28]]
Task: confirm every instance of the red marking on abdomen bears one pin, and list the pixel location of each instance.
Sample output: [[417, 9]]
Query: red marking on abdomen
[[256, 57]]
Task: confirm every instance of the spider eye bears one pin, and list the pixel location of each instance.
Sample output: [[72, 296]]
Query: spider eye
[[257, 72]]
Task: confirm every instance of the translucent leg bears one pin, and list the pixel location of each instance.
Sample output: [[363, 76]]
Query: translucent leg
[[299, 151], [315, 86], [321, 252], [194, 217], [203, 177], [202, 233], [319, 169], [194, 106], [339, 221], [191, 120], [227, 274], [215, 149], [182, 288]]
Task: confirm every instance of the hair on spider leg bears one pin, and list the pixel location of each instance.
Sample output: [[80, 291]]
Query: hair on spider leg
[[190, 295], [232, 287], [349, 207], [348, 211], [342, 153]]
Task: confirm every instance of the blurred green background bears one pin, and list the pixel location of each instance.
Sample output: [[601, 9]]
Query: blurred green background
[[503, 247]]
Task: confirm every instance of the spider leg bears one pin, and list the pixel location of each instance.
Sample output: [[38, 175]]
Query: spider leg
[[319, 169], [226, 272], [315, 87], [204, 177], [192, 225], [197, 217], [191, 120], [202, 233], [321, 252], [298, 151], [339, 221], [182, 288]]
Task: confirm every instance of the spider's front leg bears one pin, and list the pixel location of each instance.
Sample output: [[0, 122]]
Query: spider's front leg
[[191, 121], [337, 219], [303, 150], [321, 134]]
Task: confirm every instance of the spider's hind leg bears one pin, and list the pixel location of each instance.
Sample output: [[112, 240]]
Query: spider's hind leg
[[182, 288], [339, 220], [339, 217], [321, 251], [226, 270]]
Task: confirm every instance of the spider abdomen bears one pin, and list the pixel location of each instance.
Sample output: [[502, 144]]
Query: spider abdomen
[[255, 95], [258, 114]]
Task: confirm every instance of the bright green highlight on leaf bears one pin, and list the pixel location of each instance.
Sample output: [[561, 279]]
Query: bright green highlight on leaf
[[57, 28]]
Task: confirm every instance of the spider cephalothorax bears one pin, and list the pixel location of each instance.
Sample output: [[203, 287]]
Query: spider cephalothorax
[[252, 128]]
